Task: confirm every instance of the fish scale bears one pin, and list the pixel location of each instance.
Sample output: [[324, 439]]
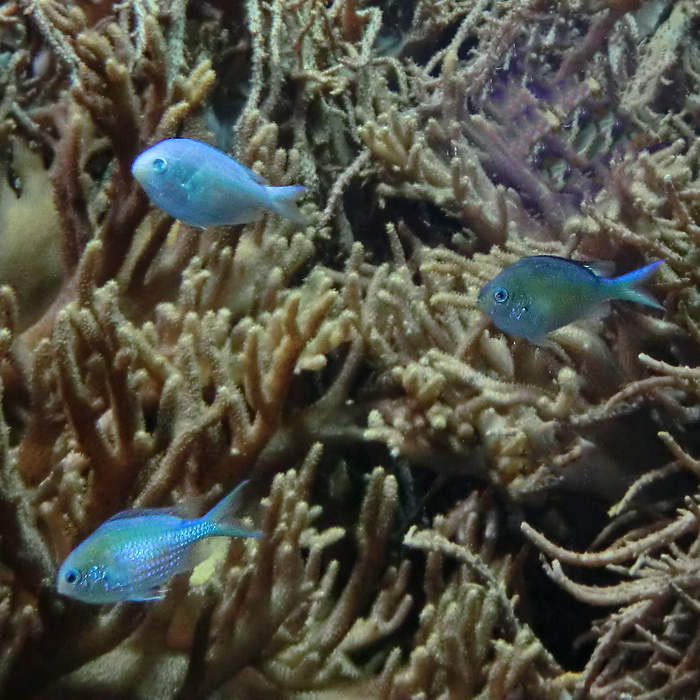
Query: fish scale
[[132, 555], [202, 186], [169, 550], [541, 293]]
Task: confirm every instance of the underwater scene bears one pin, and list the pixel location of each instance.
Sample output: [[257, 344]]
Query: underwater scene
[[350, 350]]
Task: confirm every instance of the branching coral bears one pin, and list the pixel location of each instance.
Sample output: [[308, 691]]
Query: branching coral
[[105, 118], [146, 363], [499, 410], [275, 607], [653, 636], [450, 643]]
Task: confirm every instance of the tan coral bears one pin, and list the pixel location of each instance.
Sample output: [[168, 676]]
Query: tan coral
[[659, 581], [458, 652], [174, 363], [498, 407]]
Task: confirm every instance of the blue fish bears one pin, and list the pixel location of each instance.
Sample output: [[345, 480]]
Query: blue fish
[[539, 294], [202, 186], [133, 554]]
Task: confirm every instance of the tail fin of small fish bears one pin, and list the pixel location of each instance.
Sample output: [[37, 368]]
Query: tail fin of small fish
[[626, 286], [282, 201], [222, 515]]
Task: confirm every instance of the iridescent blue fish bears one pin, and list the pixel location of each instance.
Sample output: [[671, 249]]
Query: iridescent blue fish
[[202, 186], [133, 554], [539, 294]]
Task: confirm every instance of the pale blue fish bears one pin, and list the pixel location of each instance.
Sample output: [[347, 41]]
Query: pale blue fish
[[202, 186], [539, 294], [133, 554]]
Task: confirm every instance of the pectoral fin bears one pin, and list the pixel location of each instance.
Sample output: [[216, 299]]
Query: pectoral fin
[[543, 341], [155, 593]]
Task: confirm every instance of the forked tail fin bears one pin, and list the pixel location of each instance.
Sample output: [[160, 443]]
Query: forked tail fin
[[282, 201], [627, 286], [222, 515]]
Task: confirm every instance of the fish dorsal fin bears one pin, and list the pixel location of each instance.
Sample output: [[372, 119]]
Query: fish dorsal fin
[[141, 513], [600, 268], [187, 510]]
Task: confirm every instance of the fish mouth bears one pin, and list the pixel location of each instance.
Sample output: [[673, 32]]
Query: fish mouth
[[139, 168]]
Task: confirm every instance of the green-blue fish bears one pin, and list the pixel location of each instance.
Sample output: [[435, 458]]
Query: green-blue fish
[[133, 554], [202, 186], [539, 294]]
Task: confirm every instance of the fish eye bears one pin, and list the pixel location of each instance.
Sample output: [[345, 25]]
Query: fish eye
[[159, 164], [72, 576], [500, 295]]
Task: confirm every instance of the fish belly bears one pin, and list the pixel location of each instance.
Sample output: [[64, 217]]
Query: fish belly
[[224, 204]]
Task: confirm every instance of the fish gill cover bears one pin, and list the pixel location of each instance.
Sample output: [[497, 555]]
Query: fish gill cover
[[446, 512]]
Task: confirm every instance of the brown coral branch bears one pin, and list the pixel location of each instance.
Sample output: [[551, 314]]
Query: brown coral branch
[[683, 525], [621, 594], [432, 541]]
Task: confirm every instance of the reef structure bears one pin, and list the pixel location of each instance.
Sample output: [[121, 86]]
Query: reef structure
[[433, 495]]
